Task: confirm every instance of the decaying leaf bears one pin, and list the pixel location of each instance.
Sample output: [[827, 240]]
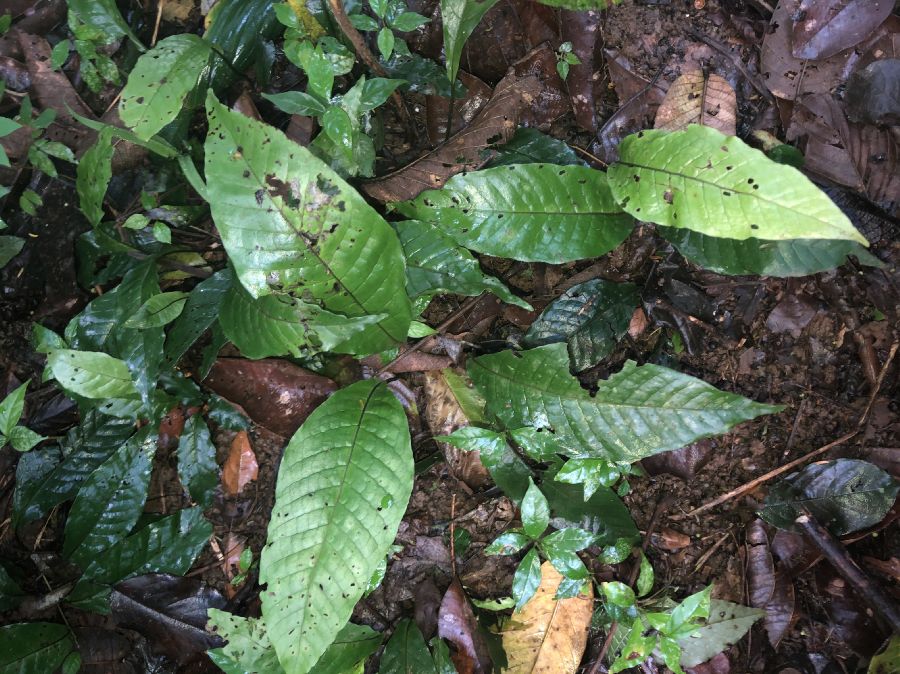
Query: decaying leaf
[[548, 636], [695, 98], [464, 109], [458, 625], [823, 28], [240, 467], [770, 590]]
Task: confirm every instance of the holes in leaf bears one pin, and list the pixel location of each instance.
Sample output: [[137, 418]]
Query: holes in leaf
[[636, 178]]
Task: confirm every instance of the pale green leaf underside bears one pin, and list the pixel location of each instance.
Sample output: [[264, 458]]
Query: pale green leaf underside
[[160, 80], [637, 412], [702, 180], [91, 374], [530, 212], [727, 623], [342, 489], [291, 224]]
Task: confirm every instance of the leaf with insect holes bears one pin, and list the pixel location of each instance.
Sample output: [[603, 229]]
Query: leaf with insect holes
[[289, 223], [345, 479], [91, 374], [160, 81], [504, 212], [702, 180]]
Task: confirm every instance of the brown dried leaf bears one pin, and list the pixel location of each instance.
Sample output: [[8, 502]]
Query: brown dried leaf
[[458, 625], [437, 108], [696, 99], [548, 636], [683, 462], [670, 540], [240, 467], [825, 27], [769, 589], [275, 393]]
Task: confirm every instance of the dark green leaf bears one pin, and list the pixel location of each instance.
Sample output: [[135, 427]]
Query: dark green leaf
[[197, 466], [530, 146], [33, 648], [408, 21], [111, 500], [459, 19], [10, 246], [535, 511], [240, 29], [435, 264], [376, 91], [845, 495], [561, 547], [507, 470], [224, 414], [637, 412], [537, 443], [526, 579], [590, 317], [93, 175], [353, 644], [200, 311], [504, 212], [406, 652], [591, 473]]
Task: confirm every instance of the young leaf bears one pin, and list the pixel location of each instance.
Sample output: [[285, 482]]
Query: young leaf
[[197, 466], [385, 43], [702, 180], [637, 412], [161, 79], [289, 221], [535, 511], [93, 175], [726, 624], [11, 409], [504, 212], [34, 647], [158, 311], [645, 577], [406, 652], [845, 495], [460, 18], [548, 634], [592, 473], [345, 479], [591, 317], [435, 264], [111, 500], [92, 375]]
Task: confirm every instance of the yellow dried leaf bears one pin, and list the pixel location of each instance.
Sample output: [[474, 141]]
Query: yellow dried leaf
[[695, 98], [548, 636]]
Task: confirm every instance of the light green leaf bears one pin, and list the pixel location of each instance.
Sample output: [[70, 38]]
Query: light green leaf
[[23, 439], [197, 466], [93, 176], [435, 264], [33, 648], [156, 145], [590, 317], [645, 577], [618, 593], [291, 223], [535, 511], [637, 412], [591, 473], [726, 624], [531, 212], [336, 123], [7, 126], [460, 18], [248, 644], [111, 500], [11, 409], [406, 652], [687, 612], [10, 246], [508, 543], [158, 310], [343, 486], [385, 41], [297, 103], [702, 180], [794, 257], [92, 375], [159, 82], [105, 17]]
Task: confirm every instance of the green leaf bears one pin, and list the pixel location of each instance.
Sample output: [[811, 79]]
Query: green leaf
[[10, 246], [93, 176], [530, 146], [248, 644], [408, 21], [579, 5], [354, 643], [726, 624], [406, 652], [105, 17], [161, 232], [11, 409], [637, 412], [240, 29], [277, 325], [158, 310], [298, 226], [336, 123], [92, 375], [345, 480], [687, 612], [794, 257], [592, 473], [23, 439], [111, 500], [645, 577], [376, 91], [159, 82], [505, 212], [702, 180], [537, 443], [156, 145], [297, 103], [33, 648], [385, 42], [671, 653], [7, 126], [507, 470], [590, 317], [42, 484], [526, 579], [845, 495], [508, 543], [561, 548], [200, 311], [435, 264], [169, 545], [618, 594], [197, 466], [460, 18], [535, 511], [363, 22]]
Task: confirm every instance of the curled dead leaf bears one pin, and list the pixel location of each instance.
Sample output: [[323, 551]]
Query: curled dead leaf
[[670, 540], [695, 98], [548, 636], [458, 625], [240, 467]]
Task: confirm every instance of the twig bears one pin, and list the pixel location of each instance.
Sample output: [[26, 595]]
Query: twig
[[453, 535], [840, 559], [159, 11], [722, 49]]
